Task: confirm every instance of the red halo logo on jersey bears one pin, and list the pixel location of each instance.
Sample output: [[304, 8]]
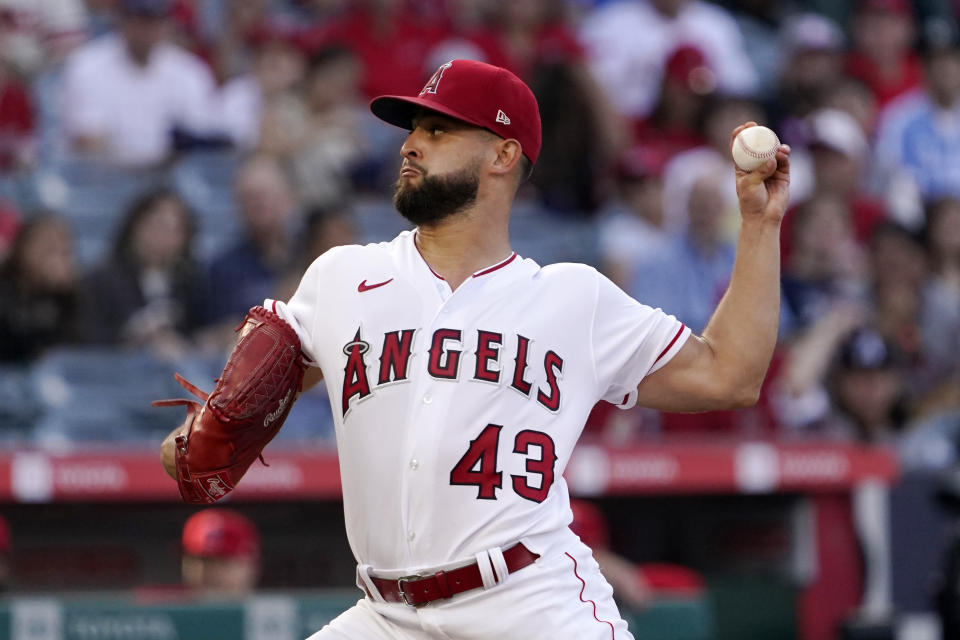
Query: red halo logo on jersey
[[431, 86]]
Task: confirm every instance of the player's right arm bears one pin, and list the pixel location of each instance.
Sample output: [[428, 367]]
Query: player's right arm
[[725, 367]]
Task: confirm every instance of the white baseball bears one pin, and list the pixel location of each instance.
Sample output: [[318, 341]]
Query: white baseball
[[753, 146]]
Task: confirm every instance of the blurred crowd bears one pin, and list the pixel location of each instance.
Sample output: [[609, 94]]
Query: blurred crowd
[[166, 164]]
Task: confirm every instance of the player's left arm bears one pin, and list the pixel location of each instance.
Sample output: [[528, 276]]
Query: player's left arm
[[724, 368]]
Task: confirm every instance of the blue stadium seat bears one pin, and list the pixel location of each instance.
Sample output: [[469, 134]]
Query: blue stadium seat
[[376, 220], [19, 404], [104, 395], [549, 237], [97, 197], [205, 180]]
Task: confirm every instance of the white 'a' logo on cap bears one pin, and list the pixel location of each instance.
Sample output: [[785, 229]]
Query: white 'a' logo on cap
[[431, 86], [502, 117]]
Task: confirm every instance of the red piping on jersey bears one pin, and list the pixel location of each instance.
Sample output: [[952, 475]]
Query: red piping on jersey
[[664, 352], [626, 398], [582, 589], [496, 266]]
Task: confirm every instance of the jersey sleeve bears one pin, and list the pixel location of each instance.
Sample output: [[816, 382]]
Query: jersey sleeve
[[300, 312], [630, 341]]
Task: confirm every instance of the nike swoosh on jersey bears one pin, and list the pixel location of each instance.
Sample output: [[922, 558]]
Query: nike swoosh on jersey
[[363, 286]]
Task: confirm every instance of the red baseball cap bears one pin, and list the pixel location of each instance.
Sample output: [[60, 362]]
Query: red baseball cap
[[477, 93], [220, 533]]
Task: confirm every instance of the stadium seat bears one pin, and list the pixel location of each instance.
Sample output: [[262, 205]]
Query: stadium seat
[[104, 395], [205, 181]]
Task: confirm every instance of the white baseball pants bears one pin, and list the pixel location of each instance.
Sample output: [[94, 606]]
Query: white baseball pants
[[562, 596]]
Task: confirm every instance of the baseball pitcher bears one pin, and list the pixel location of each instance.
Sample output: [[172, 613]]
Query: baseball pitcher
[[460, 376]]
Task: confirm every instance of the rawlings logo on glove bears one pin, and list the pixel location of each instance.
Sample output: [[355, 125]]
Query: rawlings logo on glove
[[248, 405]]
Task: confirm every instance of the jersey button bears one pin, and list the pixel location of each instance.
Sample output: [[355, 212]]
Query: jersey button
[[427, 399], [414, 464], [411, 535]]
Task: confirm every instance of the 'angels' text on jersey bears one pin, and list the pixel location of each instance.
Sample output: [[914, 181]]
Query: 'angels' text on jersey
[[444, 363]]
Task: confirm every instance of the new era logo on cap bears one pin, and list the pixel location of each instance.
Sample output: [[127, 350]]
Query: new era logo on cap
[[476, 93]]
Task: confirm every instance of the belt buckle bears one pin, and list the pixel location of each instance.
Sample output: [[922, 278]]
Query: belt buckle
[[403, 594]]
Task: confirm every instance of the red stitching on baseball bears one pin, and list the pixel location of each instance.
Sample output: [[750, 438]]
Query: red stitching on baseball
[[756, 154]]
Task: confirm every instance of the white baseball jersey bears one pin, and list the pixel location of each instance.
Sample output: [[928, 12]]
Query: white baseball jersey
[[456, 411]]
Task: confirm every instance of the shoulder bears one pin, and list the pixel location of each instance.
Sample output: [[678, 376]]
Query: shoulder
[[573, 271], [94, 55], [703, 11], [348, 259], [574, 279], [175, 59], [615, 17]]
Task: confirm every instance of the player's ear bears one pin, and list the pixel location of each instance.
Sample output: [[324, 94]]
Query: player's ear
[[508, 154]]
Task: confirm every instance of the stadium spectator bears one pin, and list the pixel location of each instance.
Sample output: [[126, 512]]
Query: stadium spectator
[[630, 68], [635, 586], [673, 126], [324, 229], [882, 55], [392, 38], [840, 155], [812, 65], [940, 323], [845, 381], [854, 97], [718, 116], [899, 271], [582, 133], [248, 272], [17, 117], [261, 103], [332, 140], [631, 224], [126, 95], [39, 292], [221, 553], [825, 266], [691, 271], [147, 291], [522, 36], [917, 134], [9, 228], [629, 586], [41, 32]]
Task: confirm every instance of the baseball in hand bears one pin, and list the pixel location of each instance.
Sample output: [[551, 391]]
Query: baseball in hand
[[753, 146]]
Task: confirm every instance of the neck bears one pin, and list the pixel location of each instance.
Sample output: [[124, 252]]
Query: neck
[[465, 243]]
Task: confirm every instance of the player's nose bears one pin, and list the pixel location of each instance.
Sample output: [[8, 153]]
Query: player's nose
[[411, 147]]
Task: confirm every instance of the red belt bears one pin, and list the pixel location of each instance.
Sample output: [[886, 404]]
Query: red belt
[[418, 590]]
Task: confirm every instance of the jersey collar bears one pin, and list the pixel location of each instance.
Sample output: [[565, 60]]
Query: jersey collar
[[477, 274]]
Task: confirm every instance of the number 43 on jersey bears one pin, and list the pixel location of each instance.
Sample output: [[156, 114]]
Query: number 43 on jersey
[[478, 466]]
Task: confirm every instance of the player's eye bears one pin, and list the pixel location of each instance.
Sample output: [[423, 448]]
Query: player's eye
[[436, 130]]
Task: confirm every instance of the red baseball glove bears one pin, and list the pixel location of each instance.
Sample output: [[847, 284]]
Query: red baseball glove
[[249, 403]]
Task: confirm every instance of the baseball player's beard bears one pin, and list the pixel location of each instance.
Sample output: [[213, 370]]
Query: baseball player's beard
[[437, 197]]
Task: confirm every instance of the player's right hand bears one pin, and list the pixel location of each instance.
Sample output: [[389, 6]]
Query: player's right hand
[[764, 192], [168, 454]]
